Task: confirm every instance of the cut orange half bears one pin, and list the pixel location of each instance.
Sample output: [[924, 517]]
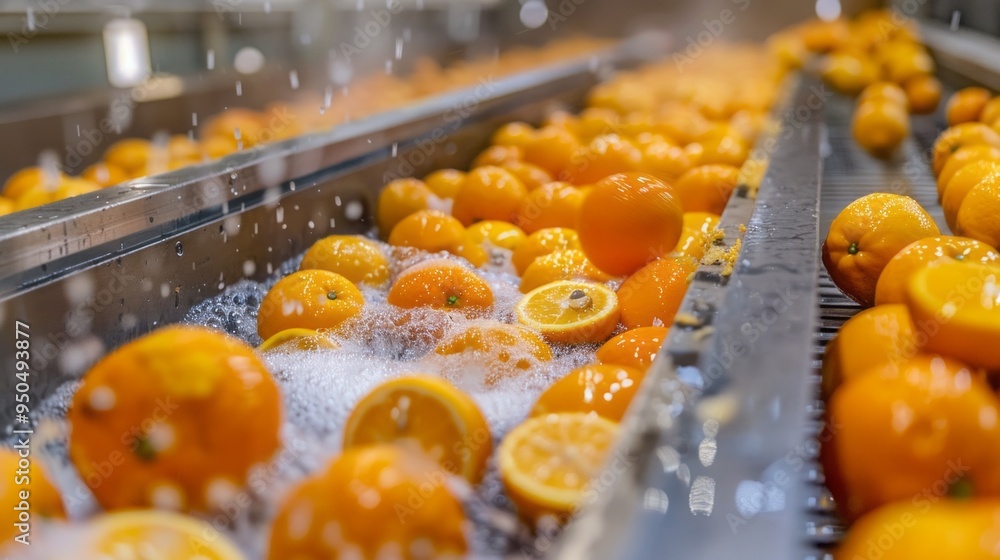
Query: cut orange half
[[547, 462], [297, 339], [430, 414], [149, 533], [570, 311]]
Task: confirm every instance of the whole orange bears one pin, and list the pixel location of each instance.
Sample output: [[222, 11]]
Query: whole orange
[[311, 299], [488, 193], [651, 296]]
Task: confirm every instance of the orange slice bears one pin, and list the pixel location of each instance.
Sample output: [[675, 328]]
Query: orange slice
[[430, 414], [164, 534], [547, 462], [570, 311], [297, 339]]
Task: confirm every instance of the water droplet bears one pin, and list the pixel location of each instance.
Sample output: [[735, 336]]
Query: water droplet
[[179, 249]]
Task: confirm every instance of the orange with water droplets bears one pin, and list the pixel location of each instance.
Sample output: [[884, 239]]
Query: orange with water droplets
[[541, 243], [666, 161], [441, 284], [707, 188], [358, 259], [547, 462], [552, 149], [957, 137], [139, 533], [603, 389], [977, 215], [504, 351], [551, 205], [399, 199], [311, 299], [627, 220], [696, 234], [726, 149], [362, 505], [923, 94], [963, 181], [892, 283], [430, 415], [569, 264], [866, 235], [488, 193], [297, 339], [636, 348], [498, 155], [428, 230], [966, 105], [570, 311], [604, 155], [496, 234], [962, 157], [445, 183], [514, 134], [530, 175], [652, 295], [183, 413]]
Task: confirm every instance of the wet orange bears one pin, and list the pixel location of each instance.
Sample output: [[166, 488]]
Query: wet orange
[[552, 149], [174, 420], [428, 230], [570, 311], [399, 199], [707, 188], [696, 234], [493, 234], [727, 149], [923, 94], [962, 157], [605, 155], [903, 64], [627, 220], [966, 105], [505, 351], [311, 299], [531, 175], [977, 215], [488, 193], [666, 161], [880, 126], [130, 154], [358, 259], [652, 295], [849, 73], [957, 137], [636, 348], [900, 269], [603, 389], [441, 284], [595, 121], [884, 91], [551, 205], [362, 505], [298, 340], [430, 415], [543, 242], [135, 533], [498, 155], [866, 235], [445, 183], [215, 147], [963, 181], [30, 178], [929, 413], [568, 264], [514, 134]]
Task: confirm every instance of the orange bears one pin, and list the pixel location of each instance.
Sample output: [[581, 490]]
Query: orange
[[604, 155], [604, 389], [399, 199], [130, 154], [884, 91], [6, 206], [666, 161], [636, 348], [821, 36], [652, 296], [570, 311], [514, 134], [627, 220], [901, 433], [215, 147], [445, 183], [68, 187], [891, 287], [963, 181], [907, 63], [849, 73], [503, 351], [25, 474], [683, 125], [880, 126], [925, 526], [104, 174], [441, 284], [174, 420], [371, 500], [552, 149], [707, 188], [429, 414], [472, 251], [977, 215], [866, 235], [245, 124], [956, 137], [358, 259], [551, 205], [923, 93], [991, 112], [696, 233], [531, 175], [168, 535], [298, 339], [962, 157], [498, 155], [547, 462], [496, 234], [541, 243], [181, 147], [568, 264], [963, 301], [428, 230], [488, 193], [966, 105], [788, 49], [311, 299], [595, 121], [726, 149], [880, 336], [30, 178]]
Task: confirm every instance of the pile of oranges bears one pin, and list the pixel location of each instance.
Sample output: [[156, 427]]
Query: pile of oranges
[[238, 129], [596, 222]]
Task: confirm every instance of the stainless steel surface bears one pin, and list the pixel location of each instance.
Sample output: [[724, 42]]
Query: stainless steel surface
[[102, 274], [715, 448], [963, 55]]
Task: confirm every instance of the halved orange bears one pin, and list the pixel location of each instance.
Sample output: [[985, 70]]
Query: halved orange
[[429, 413], [570, 311], [297, 339], [548, 461], [139, 533]]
